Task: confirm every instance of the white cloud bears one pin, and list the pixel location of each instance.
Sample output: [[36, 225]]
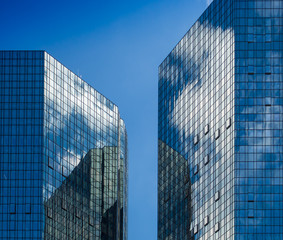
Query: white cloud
[[181, 113]]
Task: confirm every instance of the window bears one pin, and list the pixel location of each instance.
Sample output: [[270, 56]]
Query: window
[[267, 70], [250, 38], [49, 213], [196, 168], [64, 171], [217, 196], [78, 213], [206, 129], [206, 159], [217, 227], [268, 101], [91, 220], [28, 208], [196, 139], [250, 197], [250, 213], [64, 204], [50, 163], [12, 208], [217, 134], [228, 123], [195, 229], [167, 197], [250, 70], [206, 220]]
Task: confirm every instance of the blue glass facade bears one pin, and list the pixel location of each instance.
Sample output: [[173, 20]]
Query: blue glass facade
[[220, 126], [63, 154], [258, 120]]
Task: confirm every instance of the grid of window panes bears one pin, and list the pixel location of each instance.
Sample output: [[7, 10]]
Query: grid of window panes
[[60, 147], [78, 120], [196, 137], [21, 118], [259, 121]]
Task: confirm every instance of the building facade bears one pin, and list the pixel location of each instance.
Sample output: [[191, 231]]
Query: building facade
[[220, 126], [63, 154]]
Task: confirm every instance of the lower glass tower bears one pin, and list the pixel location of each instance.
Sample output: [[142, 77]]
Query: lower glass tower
[[63, 154], [220, 126]]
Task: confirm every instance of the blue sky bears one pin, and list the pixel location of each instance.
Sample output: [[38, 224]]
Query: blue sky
[[116, 46]]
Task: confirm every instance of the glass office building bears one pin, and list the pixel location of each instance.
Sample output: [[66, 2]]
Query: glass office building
[[220, 161], [63, 154]]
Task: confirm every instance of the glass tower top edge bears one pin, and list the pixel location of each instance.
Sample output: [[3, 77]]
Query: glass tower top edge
[[46, 55], [199, 19]]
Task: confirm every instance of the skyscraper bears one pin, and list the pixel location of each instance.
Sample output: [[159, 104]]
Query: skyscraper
[[63, 154], [220, 127]]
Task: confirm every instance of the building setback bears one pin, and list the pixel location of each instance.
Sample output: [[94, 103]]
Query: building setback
[[220, 126], [63, 154]]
